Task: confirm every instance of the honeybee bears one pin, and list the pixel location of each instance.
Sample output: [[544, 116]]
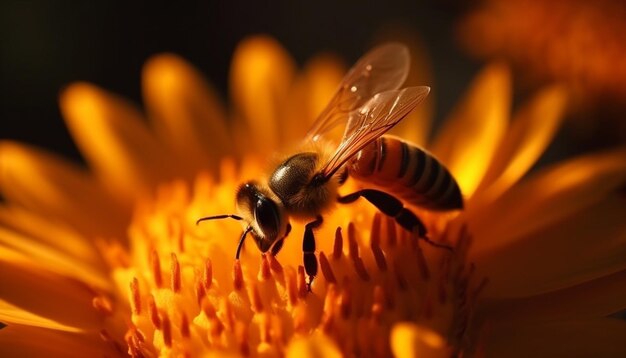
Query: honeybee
[[368, 103]]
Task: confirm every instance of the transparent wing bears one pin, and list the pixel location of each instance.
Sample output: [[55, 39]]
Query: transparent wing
[[382, 69], [373, 119]]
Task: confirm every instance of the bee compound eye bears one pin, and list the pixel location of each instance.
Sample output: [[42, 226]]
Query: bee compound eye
[[267, 216]]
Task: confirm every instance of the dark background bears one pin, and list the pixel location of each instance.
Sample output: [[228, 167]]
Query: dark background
[[46, 45]]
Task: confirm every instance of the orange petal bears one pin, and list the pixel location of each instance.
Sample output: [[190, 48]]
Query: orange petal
[[113, 137], [261, 76], [18, 340], [595, 298], [471, 135], [10, 314], [544, 198], [532, 130], [26, 250], [187, 113], [53, 188], [410, 340], [587, 245], [599, 337], [49, 295]]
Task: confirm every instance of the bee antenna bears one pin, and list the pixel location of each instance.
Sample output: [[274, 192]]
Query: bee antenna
[[218, 217]]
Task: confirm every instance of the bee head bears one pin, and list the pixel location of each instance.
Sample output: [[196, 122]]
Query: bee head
[[262, 213]]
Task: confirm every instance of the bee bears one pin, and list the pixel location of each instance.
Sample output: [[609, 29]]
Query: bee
[[368, 102]]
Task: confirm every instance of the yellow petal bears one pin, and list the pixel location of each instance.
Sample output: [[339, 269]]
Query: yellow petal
[[113, 137], [43, 256], [26, 341], [587, 245], [409, 340], [531, 132], [53, 188], [314, 346], [545, 197], [10, 314], [471, 135], [599, 337], [187, 114], [49, 295], [595, 298], [260, 78]]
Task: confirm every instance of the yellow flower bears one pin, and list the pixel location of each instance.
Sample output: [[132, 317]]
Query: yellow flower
[[109, 261]]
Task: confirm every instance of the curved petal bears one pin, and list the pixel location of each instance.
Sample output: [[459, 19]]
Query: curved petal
[[188, 116], [600, 337], [54, 188], [530, 134], [33, 253], [41, 230], [595, 298], [114, 139], [586, 245], [28, 341], [67, 301], [261, 76], [471, 134], [547, 196]]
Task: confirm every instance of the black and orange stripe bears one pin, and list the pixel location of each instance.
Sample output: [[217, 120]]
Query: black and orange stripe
[[407, 171]]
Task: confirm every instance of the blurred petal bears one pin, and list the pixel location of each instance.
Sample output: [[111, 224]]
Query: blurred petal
[[18, 340], [595, 298], [416, 126], [47, 232], [310, 93], [546, 197], [115, 140], [66, 301], [471, 135], [586, 245], [187, 114], [409, 340], [52, 187], [261, 75], [314, 346], [531, 132], [600, 337], [56, 261], [10, 314]]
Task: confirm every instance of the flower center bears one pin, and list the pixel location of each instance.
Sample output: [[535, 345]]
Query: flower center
[[188, 295]]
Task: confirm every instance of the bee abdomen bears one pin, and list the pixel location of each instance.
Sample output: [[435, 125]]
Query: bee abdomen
[[409, 172]]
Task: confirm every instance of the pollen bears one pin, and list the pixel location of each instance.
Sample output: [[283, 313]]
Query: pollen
[[188, 295]]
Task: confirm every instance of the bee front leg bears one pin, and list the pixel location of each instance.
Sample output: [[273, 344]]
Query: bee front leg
[[308, 250], [391, 206]]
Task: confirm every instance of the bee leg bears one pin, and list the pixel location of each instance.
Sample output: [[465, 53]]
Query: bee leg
[[279, 244], [308, 250], [391, 206]]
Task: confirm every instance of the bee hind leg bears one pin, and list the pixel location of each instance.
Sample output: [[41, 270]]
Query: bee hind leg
[[308, 250], [393, 207]]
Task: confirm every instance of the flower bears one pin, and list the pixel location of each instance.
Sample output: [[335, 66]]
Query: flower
[[110, 261]]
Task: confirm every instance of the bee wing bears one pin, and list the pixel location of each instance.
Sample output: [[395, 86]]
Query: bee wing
[[378, 115], [382, 69]]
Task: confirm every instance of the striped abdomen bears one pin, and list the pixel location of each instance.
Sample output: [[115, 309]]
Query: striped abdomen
[[408, 172]]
